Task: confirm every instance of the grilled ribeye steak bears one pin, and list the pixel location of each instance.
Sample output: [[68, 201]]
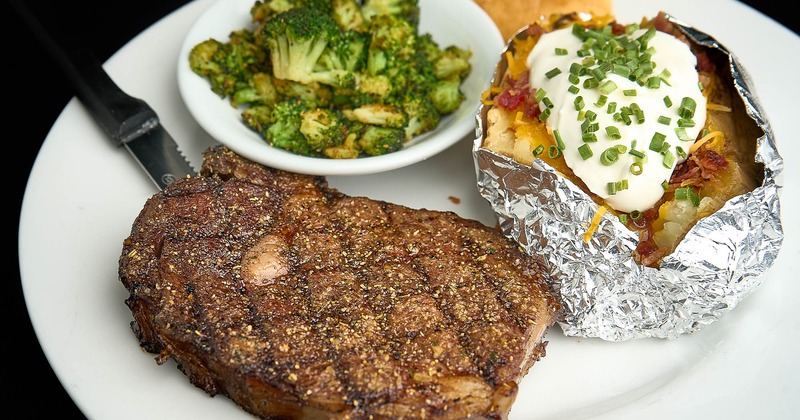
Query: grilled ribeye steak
[[295, 300]]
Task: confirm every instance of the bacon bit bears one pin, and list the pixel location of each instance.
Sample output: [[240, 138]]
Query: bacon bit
[[662, 23], [700, 166], [617, 28], [704, 62], [535, 30]]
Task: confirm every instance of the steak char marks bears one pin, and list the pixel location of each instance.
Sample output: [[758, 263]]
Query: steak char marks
[[295, 300]]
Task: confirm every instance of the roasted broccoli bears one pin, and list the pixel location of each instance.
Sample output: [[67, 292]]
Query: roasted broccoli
[[376, 140], [422, 115], [446, 95], [296, 39], [323, 128], [381, 114], [265, 9], [260, 90], [284, 129], [335, 78], [453, 62], [407, 10], [347, 13], [258, 118]]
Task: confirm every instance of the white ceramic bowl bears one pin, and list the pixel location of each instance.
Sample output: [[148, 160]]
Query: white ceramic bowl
[[450, 22]]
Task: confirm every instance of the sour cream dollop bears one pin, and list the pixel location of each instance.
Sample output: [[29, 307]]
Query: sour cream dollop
[[650, 118]]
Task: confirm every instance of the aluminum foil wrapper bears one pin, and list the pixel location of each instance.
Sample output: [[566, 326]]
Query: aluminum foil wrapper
[[605, 293]]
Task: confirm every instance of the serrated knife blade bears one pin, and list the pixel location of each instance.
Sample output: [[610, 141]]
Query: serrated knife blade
[[128, 121]]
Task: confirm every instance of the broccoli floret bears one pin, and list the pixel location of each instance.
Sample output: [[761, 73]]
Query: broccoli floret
[[207, 59], [407, 10], [376, 140], [265, 9], [422, 115], [347, 13], [322, 128], [227, 65], [260, 90], [381, 115], [453, 62], [284, 130], [367, 90], [346, 51], [296, 39], [348, 150], [314, 94], [446, 95], [258, 118], [392, 35], [428, 47]]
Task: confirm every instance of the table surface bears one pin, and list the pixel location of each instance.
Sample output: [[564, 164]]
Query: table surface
[[38, 97]]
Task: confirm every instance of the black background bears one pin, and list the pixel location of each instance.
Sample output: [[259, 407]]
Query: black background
[[36, 93]]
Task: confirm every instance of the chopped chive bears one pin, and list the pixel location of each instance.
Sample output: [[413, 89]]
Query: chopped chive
[[574, 79], [607, 87], [680, 152], [665, 185], [573, 89], [681, 133], [637, 153], [636, 168], [598, 73], [538, 150], [669, 159], [553, 73], [682, 193], [687, 108], [612, 108], [601, 100], [585, 151], [544, 115], [539, 94], [656, 142], [561, 51], [623, 218], [683, 122], [589, 137], [612, 188], [559, 141], [590, 83], [613, 132], [664, 120], [547, 102], [629, 92], [653, 82], [668, 101], [553, 152], [635, 214], [609, 156], [578, 102]]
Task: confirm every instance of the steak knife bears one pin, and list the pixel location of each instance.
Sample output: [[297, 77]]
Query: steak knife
[[128, 121]]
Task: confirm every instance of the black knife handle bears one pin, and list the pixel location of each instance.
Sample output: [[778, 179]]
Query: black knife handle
[[118, 114]]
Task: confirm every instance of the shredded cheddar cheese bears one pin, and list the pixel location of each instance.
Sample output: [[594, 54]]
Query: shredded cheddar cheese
[[707, 137], [601, 211]]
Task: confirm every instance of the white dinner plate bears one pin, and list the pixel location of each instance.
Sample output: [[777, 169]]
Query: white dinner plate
[[472, 30], [83, 195]]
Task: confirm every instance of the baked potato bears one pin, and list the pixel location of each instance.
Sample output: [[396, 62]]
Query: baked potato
[[696, 165]]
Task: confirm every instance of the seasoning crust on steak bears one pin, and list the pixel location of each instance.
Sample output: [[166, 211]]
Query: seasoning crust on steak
[[295, 300]]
